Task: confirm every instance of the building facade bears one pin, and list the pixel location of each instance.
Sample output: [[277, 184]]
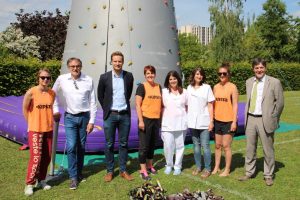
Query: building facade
[[204, 34]]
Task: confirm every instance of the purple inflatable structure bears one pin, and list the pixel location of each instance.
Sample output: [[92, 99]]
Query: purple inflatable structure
[[14, 127]]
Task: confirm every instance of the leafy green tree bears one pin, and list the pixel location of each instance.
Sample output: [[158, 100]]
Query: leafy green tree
[[254, 45], [273, 26], [191, 49], [228, 29], [17, 43], [50, 27]]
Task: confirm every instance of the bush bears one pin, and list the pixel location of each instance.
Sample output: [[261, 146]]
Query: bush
[[18, 75], [287, 73]]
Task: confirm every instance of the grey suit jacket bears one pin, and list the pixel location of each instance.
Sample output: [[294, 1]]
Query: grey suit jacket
[[272, 102]]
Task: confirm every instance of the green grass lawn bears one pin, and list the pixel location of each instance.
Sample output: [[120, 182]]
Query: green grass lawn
[[287, 182]]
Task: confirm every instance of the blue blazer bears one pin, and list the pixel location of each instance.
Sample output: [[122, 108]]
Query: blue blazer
[[105, 91]]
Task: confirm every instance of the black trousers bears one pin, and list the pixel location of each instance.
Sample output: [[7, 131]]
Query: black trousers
[[147, 139]]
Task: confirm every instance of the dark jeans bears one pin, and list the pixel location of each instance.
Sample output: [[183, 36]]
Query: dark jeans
[[75, 128], [111, 124], [147, 139]]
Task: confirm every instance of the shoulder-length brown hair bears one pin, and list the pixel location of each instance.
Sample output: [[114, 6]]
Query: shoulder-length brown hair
[[192, 76], [179, 81]]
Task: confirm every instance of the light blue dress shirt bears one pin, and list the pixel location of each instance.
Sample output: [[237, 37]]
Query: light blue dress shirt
[[118, 100]]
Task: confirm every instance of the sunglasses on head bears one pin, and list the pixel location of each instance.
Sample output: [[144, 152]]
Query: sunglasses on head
[[222, 73], [45, 77]]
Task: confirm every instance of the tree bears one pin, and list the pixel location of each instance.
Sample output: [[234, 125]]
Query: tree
[[191, 50], [50, 28], [228, 29], [273, 26], [254, 45], [17, 43]]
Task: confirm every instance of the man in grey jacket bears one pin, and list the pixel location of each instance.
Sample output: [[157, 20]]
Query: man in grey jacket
[[262, 113]]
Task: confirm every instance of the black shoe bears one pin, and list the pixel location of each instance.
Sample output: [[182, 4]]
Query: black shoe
[[73, 185], [81, 179]]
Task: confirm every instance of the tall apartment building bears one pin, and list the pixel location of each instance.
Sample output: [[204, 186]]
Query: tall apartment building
[[204, 34]]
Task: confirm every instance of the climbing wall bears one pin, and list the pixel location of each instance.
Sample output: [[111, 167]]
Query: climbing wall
[[143, 30]]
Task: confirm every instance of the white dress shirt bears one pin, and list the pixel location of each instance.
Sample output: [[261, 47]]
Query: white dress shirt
[[260, 90], [198, 99], [75, 100]]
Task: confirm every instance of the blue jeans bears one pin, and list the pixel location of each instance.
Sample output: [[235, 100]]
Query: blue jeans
[[201, 139], [111, 124], [75, 128]]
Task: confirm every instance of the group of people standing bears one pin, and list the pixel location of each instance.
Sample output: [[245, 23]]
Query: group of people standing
[[173, 110]]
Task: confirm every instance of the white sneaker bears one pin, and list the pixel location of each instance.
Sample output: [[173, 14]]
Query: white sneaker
[[168, 170], [43, 185], [28, 191]]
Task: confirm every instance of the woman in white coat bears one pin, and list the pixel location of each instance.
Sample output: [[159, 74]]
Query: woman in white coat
[[200, 119], [174, 122]]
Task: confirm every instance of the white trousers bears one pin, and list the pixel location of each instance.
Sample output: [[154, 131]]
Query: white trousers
[[173, 143]]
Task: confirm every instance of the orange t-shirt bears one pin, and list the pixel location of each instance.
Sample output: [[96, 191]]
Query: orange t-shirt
[[223, 110], [40, 112], [152, 102]]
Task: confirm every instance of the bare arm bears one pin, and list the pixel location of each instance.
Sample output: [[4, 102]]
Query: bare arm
[[138, 105], [235, 98], [26, 103], [211, 116]]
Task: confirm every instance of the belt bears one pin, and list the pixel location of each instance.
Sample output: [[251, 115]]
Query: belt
[[254, 115], [119, 112], [78, 114]]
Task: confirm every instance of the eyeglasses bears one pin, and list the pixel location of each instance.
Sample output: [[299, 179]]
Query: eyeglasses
[[75, 66], [45, 77], [222, 73], [76, 86]]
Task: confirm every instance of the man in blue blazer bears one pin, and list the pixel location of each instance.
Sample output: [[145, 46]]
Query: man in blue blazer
[[114, 92], [262, 113]]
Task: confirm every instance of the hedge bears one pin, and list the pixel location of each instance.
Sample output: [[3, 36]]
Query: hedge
[[287, 73], [18, 75]]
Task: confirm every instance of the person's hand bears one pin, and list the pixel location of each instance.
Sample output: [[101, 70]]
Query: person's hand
[[141, 125], [56, 116], [210, 126], [89, 128], [233, 127]]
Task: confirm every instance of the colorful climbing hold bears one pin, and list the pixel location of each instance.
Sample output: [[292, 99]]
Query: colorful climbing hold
[[112, 26], [139, 46], [104, 6], [121, 43], [166, 2], [122, 8], [103, 43], [130, 28], [80, 27], [94, 26], [93, 62], [140, 9], [130, 63]]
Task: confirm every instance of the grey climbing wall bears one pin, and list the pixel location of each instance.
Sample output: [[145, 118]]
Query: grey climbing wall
[[143, 30]]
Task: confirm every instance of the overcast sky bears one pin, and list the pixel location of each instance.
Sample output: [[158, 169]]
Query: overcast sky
[[187, 11]]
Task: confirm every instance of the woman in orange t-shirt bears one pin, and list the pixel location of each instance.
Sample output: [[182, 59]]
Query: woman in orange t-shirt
[[38, 112], [148, 107], [225, 118]]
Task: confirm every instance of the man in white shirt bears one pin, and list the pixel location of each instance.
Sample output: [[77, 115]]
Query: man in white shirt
[[262, 113], [79, 101]]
